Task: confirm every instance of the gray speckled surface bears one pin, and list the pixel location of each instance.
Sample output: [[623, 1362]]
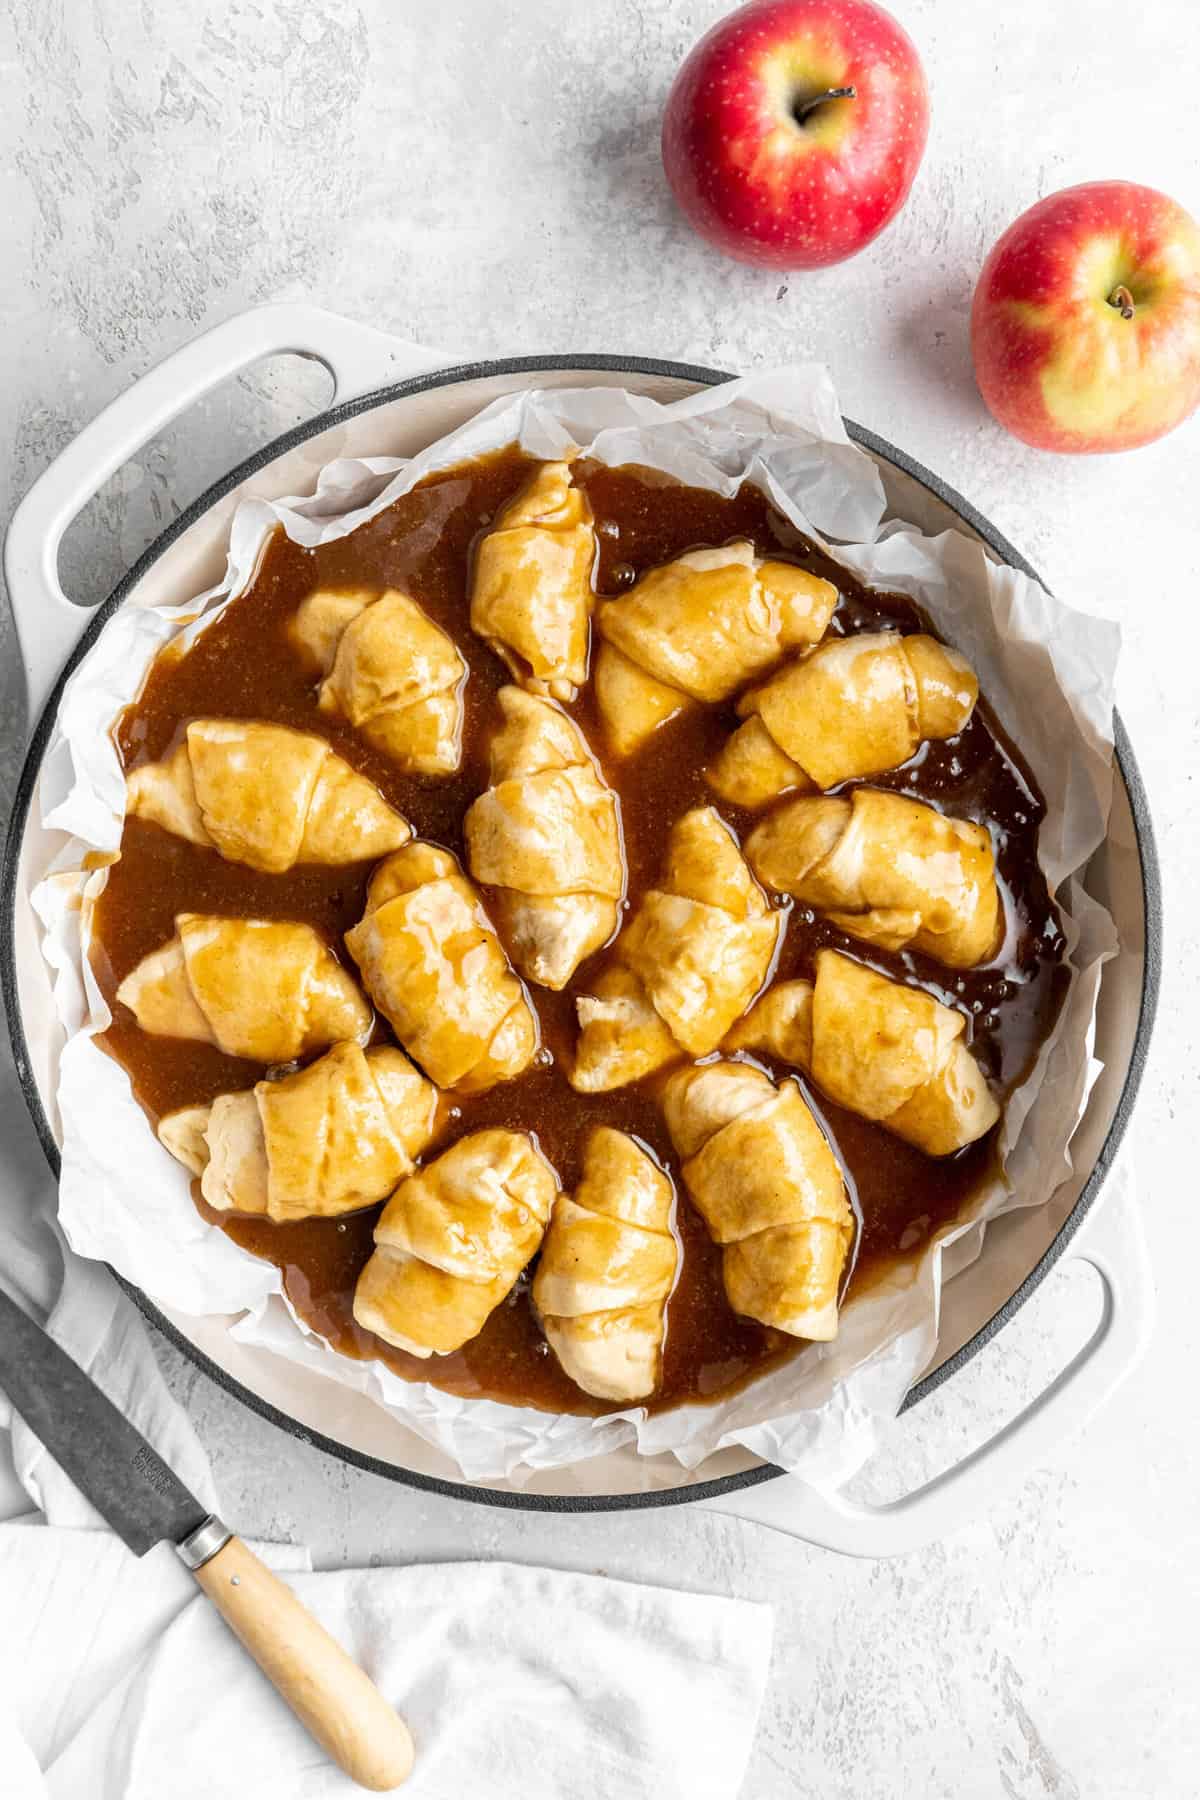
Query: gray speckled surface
[[485, 176]]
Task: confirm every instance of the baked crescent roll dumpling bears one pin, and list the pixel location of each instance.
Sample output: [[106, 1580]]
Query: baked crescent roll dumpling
[[606, 1269], [434, 967], [546, 838], [697, 629], [390, 670], [333, 1137], [883, 1050], [265, 795], [885, 868], [452, 1240], [854, 706], [268, 990], [768, 1187], [689, 962], [621, 1036], [531, 596]]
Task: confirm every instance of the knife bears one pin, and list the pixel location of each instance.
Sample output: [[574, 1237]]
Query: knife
[[145, 1501]]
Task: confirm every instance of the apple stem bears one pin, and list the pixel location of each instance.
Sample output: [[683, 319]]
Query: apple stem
[[802, 108], [1122, 299]]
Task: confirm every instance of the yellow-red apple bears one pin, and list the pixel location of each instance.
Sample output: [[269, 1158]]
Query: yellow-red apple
[[1085, 328]]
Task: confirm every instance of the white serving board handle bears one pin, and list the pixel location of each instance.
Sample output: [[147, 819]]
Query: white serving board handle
[[49, 624], [1113, 1242]]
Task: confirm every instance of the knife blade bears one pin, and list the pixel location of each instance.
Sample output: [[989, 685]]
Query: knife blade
[[108, 1460], [144, 1500]]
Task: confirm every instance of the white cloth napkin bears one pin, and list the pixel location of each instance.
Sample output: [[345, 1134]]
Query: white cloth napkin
[[124, 1684], [119, 1682]]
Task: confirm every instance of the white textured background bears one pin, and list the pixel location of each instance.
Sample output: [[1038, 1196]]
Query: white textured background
[[485, 176]]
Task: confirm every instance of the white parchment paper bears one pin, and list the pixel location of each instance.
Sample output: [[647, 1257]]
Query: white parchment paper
[[1047, 669]]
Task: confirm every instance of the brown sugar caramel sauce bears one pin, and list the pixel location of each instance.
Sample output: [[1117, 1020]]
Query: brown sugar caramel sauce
[[243, 667]]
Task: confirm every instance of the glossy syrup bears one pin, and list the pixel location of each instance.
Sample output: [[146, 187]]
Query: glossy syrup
[[242, 667]]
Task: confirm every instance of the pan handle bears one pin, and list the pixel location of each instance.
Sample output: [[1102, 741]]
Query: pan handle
[[1114, 1244], [49, 624]]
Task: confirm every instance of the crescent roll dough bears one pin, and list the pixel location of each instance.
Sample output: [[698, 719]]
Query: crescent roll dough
[[546, 838], [452, 1240], [329, 1139], [686, 966], [768, 1187], [854, 706], [606, 1269], [265, 989], [531, 597], [434, 967], [884, 1050], [697, 629], [390, 670], [266, 796], [885, 868]]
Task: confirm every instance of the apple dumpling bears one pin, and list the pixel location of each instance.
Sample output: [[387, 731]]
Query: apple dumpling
[[759, 1168], [266, 990], [452, 1240], [328, 1139], [531, 597], [887, 869], [878, 1047], [698, 629], [389, 669], [545, 840], [855, 706], [686, 966], [606, 1269], [265, 796], [431, 961]]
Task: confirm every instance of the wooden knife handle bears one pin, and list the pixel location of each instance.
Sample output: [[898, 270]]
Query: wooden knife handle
[[327, 1691]]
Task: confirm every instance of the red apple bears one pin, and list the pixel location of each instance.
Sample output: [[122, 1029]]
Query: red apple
[[1085, 327], [794, 130]]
